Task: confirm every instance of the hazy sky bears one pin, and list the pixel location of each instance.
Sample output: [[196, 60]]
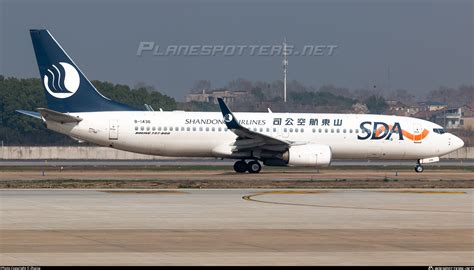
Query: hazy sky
[[426, 44]]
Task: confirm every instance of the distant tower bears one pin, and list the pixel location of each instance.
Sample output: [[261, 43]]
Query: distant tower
[[285, 68], [388, 79]]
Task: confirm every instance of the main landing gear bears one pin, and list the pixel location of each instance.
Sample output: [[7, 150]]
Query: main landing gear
[[252, 167]]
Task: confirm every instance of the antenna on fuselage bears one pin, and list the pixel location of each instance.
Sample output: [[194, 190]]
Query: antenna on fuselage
[[149, 108]]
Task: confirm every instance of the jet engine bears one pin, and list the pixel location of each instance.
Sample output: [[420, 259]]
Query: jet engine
[[308, 155]]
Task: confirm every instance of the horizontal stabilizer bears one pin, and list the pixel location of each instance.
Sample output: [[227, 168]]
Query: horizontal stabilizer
[[55, 116], [30, 113]]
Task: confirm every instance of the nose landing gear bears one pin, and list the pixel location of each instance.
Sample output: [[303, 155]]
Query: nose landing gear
[[418, 168], [252, 167]]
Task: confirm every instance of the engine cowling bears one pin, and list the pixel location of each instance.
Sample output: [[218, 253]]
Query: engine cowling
[[308, 155]]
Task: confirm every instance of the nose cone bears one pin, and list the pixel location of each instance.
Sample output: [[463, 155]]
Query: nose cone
[[457, 143]]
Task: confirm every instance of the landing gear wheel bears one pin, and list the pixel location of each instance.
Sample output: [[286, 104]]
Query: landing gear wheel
[[418, 168], [254, 167], [240, 166]]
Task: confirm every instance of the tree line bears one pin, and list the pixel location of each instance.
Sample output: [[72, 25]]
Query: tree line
[[28, 94]]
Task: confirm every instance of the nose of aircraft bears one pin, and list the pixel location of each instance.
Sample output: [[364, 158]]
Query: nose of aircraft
[[457, 142]]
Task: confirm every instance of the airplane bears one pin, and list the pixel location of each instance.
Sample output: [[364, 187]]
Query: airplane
[[77, 109]]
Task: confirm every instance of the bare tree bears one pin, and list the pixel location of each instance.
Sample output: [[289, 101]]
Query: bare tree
[[239, 85], [200, 85], [402, 95], [337, 91]]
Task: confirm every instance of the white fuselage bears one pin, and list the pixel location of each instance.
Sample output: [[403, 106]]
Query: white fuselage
[[204, 134]]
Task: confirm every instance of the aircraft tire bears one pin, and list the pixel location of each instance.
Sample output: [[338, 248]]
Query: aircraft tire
[[240, 166], [419, 168], [254, 167]]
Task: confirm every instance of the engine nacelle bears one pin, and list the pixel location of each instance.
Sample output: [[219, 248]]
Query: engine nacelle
[[308, 155]]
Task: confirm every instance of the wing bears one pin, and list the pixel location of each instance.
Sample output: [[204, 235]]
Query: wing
[[248, 139]]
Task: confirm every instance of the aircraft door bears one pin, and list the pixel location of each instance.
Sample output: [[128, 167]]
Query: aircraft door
[[417, 131], [113, 129]]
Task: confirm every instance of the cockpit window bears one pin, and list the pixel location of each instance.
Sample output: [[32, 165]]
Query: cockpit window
[[439, 130]]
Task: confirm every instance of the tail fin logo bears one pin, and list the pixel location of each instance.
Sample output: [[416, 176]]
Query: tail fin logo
[[61, 81], [228, 118]]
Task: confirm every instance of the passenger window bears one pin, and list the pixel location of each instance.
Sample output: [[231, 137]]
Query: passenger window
[[188, 129], [213, 129], [159, 128], [207, 128], [220, 129], [296, 130], [314, 130], [274, 130], [332, 130], [165, 129], [153, 128], [268, 129], [350, 130], [182, 128], [325, 130], [194, 128], [356, 131], [147, 128], [344, 130], [200, 129], [301, 130], [337, 130], [136, 128], [320, 130]]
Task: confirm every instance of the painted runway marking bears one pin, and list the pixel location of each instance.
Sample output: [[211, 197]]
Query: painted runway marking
[[251, 198], [145, 191], [422, 191]]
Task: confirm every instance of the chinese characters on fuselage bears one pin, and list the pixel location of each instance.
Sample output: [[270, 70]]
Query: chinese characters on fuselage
[[278, 121]]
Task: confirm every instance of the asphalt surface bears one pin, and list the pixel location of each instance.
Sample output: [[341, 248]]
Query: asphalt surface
[[237, 227]]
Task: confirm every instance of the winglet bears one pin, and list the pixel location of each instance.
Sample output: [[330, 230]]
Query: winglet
[[229, 118]]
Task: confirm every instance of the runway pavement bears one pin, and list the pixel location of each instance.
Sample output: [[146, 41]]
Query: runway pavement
[[237, 227]]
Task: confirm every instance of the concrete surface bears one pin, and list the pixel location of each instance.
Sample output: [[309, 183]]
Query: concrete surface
[[238, 227]]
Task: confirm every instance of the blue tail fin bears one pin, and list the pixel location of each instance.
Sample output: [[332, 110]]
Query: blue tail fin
[[65, 86]]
